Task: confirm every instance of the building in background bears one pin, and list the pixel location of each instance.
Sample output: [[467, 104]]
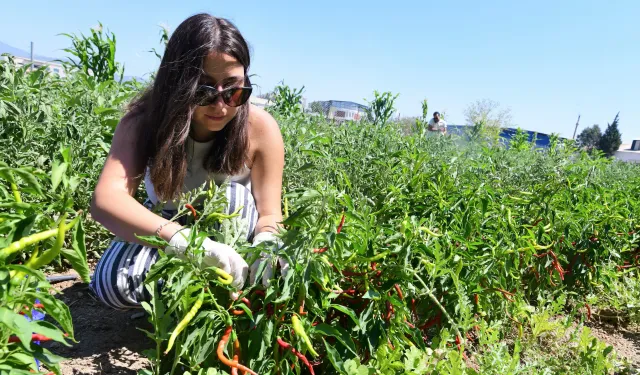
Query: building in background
[[23, 57], [259, 102], [339, 111], [630, 153]]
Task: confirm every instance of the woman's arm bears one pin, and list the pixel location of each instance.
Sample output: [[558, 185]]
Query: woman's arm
[[267, 169], [113, 204]]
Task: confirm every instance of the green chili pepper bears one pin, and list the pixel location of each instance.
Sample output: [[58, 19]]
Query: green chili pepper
[[49, 255], [374, 258], [299, 330], [34, 238], [185, 321]]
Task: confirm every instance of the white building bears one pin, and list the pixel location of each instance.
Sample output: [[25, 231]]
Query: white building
[[344, 111], [22, 58], [630, 153], [259, 102]]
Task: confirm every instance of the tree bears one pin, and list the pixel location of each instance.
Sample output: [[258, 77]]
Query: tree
[[487, 117], [589, 138], [317, 107], [611, 139], [488, 112]]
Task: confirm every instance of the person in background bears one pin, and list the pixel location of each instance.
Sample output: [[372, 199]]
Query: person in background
[[193, 125], [437, 124]]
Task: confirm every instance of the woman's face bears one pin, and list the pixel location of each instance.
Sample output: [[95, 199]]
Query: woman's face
[[220, 71]]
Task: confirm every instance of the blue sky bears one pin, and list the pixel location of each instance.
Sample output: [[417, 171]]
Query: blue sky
[[546, 60]]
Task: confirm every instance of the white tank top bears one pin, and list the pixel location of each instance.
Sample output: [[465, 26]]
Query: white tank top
[[196, 174]]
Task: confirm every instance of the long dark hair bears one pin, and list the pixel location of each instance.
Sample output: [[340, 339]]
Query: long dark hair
[[167, 106]]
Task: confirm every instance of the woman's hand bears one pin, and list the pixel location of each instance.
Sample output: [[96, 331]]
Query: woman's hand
[[216, 254], [265, 237]]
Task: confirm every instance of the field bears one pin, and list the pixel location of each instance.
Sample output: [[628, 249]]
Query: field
[[410, 254]]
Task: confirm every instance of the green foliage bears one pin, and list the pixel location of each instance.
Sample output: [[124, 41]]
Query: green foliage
[[287, 102], [95, 55], [26, 215], [611, 139], [520, 141], [381, 107], [487, 244]]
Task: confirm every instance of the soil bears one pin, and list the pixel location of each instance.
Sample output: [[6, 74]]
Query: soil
[[109, 341], [625, 342]]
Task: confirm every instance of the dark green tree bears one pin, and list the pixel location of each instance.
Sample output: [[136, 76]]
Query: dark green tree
[[589, 138], [611, 139]]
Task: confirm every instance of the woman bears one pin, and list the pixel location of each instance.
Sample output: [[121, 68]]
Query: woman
[[193, 125]]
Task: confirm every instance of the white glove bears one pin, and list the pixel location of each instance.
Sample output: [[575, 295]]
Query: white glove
[[216, 254], [266, 257]]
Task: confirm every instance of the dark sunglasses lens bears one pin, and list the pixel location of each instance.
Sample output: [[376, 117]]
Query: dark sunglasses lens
[[205, 96], [237, 96]]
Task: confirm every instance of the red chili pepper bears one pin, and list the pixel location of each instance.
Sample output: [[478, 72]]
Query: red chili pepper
[[433, 321], [321, 250], [588, 311], [34, 337], [389, 310], [399, 291], [341, 224], [506, 294], [193, 210], [284, 345], [475, 298]]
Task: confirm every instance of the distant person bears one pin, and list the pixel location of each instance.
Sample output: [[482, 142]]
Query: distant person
[[437, 124]]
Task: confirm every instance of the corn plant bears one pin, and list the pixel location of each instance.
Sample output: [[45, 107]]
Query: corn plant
[[381, 107], [95, 55], [287, 101]]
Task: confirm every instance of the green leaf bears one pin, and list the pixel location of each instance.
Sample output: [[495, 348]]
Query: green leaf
[[28, 271], [371, 294], [17, 324], [57, 172], [339, 333], [77, 256], [49, 330], [153, 241], [56, 309], [347, 311], [334, 357], [286, 289]]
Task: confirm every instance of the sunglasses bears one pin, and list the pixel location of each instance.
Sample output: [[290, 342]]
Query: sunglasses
[[232, 96]]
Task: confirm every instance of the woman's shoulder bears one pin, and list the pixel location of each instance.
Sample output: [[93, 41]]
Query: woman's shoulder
[[264, 132], [261, 121]]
